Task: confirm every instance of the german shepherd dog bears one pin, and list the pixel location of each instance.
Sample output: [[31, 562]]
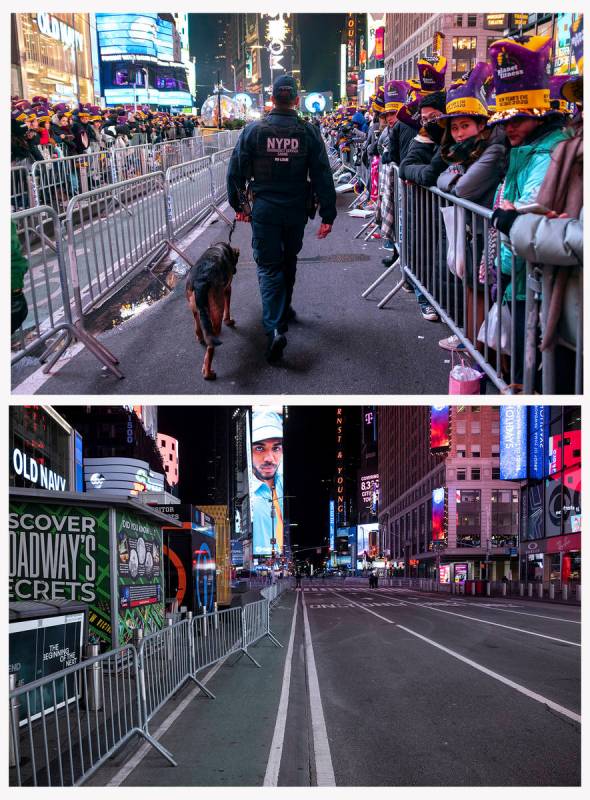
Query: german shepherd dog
[[208, 291]]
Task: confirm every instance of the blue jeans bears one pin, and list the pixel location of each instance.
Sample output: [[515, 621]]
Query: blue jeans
[[277, 238]]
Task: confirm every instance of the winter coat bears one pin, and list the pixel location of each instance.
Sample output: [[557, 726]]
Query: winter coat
[[423, 162], [478, 182], [559, 242], [527, 167], [401, 137], [18, 263], [373, 139]]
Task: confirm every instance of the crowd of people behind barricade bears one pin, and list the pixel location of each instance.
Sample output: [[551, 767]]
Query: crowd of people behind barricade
[[41, 131], [506, 136]]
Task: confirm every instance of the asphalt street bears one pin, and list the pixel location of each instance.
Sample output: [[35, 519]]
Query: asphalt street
[[340, 343], [385, 687]]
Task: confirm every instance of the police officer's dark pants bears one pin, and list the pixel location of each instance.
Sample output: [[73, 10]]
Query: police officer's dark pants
[[277, 238]]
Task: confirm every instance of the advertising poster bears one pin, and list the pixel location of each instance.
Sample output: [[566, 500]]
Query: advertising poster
[[439, 528], [368, 495], [140, 578], [62, 552], [513, 442], [367, 540], [539, 417], [440, 429], [204, 565], [265, 470], [444, 573], [41, 647], [461, 572]]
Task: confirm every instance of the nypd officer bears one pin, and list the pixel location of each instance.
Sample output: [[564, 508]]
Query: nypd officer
[[285, 160]]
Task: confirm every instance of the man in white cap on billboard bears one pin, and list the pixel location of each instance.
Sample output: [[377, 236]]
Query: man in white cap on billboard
[[266, 482]]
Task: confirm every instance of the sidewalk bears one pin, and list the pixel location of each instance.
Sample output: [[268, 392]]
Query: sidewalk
[[340, 343], [221, 742]]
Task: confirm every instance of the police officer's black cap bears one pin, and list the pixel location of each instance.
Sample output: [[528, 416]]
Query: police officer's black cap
[[285, 89]]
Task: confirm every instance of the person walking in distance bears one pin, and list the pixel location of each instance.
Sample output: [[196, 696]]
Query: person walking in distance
[[283, 161]]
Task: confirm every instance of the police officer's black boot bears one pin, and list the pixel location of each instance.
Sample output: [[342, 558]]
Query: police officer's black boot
[[276, 344]]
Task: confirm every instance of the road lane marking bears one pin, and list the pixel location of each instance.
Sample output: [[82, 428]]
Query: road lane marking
[[273, 767], [368, 610], [495, 624], [523, 613], [517, 686], [146, 748], [512, 684], [321, 746]]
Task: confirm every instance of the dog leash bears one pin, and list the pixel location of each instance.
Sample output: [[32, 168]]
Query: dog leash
[[232, 228]]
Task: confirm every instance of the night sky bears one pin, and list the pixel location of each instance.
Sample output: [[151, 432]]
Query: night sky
[[308, 466], [320, 43]]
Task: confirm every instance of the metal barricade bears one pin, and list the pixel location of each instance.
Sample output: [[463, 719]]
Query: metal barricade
[[60, 735], [49, 328], [167, 154], [256, 621], [21, 196], [129, 162], [111, 233], [165, 658], [56, 181], [193, 148], [217, 635], [219, 164], [189, 193]]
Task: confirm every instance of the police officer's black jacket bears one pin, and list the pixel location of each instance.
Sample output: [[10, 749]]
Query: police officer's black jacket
[[278, 154]]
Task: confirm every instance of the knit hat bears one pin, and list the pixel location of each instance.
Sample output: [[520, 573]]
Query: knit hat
[[573, 89], [396, 94], [466, 97], [433, 100], [520, 77]]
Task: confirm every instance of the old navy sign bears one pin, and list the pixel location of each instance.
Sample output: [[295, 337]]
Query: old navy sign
[[37, 474], [513, 442]]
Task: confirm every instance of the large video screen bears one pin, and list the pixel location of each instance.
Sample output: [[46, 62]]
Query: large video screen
[[265, 470], [316, 102], [367, 540], [438, 515], [513, 442], [440, 429], [144, 35]]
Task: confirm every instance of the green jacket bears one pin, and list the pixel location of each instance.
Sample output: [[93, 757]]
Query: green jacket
[[527, 168], [18, 263]]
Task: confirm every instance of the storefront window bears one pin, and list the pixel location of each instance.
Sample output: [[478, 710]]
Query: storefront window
[[55, 56], [504, 517], [468, 505]]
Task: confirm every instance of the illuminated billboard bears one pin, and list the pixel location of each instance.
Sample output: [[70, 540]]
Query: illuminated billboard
[[144, 35], [121, 476], [513, 442], [265, 471], [368, 500], [332, 526], [538, 440], [367, 540], [316, 102], [439, 522], [440, 429]]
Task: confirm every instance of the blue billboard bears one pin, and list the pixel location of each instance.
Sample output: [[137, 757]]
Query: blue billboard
[[332, 526], [539, 417], [144, 35], [513, 442]]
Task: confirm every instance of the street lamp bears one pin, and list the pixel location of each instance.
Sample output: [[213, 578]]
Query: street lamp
[[147, 83], [234, 70]]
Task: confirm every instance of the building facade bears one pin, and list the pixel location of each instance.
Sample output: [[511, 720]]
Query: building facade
[[52, 57], [408, 37], [168, 447], [481, 527]]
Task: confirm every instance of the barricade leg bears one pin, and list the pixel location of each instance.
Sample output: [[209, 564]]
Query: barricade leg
[[192, 659], [244, 648], [142, 703], [273, 638], [380, 279]]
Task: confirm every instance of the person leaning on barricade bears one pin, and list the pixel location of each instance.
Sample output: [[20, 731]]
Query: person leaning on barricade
[[533, 129], [394, 143], [476, 159], [422, 165], [555, 238]]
